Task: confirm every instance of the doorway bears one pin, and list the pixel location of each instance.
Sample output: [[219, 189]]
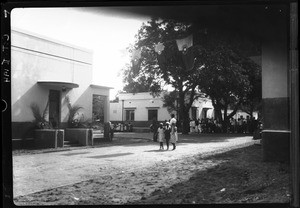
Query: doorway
[[54, 104]]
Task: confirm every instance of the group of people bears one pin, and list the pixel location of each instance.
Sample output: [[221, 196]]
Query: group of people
[[240, 125], [166, 132]]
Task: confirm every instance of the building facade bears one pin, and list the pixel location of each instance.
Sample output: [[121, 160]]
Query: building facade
[[52, 75], [140, 109]]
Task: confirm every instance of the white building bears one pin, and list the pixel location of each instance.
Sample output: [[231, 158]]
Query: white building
[[48, 71], [140, 108]]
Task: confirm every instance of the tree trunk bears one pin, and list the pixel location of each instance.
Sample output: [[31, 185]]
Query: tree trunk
[[218, 113], [184, 114], [185, 123], [225, 121]]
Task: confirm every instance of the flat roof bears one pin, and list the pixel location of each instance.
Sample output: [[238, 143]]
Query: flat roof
[[100, 87], [49, 39]]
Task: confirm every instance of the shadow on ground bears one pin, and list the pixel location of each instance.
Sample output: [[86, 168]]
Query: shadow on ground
[[237, 176]]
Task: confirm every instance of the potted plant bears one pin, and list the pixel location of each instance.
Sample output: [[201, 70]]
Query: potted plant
[[45, 135], [78, 130]]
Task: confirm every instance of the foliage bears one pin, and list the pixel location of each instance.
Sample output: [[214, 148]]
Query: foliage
[[228, 77], [75, 119], [153, 71], [252, 101], [220, 67], [40, 118], [170, 101]]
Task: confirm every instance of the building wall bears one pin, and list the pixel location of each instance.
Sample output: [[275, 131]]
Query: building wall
[[142, 102], [35, 58]]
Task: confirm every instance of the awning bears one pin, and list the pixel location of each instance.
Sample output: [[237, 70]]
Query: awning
[[58, 84], [129, 108]]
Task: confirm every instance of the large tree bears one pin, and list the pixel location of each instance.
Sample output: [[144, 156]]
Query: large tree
[[229, 77], [167, 67], [216, 64]]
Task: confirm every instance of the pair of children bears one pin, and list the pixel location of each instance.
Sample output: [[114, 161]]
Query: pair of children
[[169, 133]]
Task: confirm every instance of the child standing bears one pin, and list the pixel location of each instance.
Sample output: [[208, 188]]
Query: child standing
[[160, 136], [167, 134]]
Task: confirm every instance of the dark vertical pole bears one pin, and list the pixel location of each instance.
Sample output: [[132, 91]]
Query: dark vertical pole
[[294, 98], [122, 114]]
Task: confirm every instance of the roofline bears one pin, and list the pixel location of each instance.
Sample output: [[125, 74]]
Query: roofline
[[33, 34], [100, 87]]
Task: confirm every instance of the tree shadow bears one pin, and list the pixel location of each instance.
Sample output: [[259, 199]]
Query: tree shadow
[[225, 181], [158, 150]]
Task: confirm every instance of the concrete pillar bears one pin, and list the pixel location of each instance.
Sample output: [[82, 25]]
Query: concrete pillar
[[275, 93], [294, 94]]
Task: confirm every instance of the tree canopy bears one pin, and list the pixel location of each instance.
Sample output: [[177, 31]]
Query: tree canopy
[[215, 63]]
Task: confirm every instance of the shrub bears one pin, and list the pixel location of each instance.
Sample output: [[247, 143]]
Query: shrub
[[40, 118]]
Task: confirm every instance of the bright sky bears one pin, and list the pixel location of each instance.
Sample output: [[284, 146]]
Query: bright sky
[[107, 34]]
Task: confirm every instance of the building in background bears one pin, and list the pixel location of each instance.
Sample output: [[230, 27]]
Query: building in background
[[140, 109], [48, 71]]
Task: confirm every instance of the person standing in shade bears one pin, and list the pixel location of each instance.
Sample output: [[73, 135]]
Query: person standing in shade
[[173, 135], [167, 134], [197, 123], [154, 128], [160, 136]]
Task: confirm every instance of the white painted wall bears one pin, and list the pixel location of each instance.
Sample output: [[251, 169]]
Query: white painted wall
[[36, 58], [141, 102]]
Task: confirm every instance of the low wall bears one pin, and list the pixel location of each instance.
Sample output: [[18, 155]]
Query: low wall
[[82, 136], [276, 145], [49, 138], [22, 130]]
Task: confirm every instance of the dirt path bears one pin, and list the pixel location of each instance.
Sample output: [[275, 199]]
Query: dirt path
[[37, 172]]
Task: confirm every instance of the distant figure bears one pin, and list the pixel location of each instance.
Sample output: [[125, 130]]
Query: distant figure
[[197, 125], [240, 125], [192, 125], [154, 127], [173, 119], [167, 134], [174, 135], [160, 136]]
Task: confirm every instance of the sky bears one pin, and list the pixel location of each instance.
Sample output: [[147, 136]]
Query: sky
[[106, 33]]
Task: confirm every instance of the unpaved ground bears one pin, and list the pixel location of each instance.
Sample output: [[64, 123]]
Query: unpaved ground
[[220, 175]]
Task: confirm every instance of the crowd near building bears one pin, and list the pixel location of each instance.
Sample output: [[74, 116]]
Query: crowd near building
[[138, 111]]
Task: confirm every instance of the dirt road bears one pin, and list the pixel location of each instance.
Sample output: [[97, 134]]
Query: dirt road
[[38, 172]]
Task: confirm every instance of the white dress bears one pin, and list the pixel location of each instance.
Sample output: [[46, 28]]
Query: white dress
[[174, 135], [160, 134], [173, 120]]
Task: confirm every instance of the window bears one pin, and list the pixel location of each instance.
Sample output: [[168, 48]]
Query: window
[[99, 102], [129, 115], [152, 114]]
